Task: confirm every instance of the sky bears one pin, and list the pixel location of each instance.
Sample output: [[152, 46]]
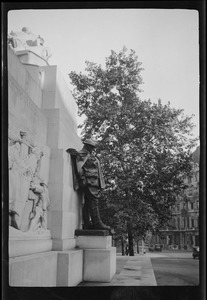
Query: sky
[[166, 42]]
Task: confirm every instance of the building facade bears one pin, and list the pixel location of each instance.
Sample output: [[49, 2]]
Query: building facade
[[185, 214]]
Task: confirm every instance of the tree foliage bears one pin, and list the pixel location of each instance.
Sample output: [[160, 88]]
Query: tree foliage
[[144, 147]]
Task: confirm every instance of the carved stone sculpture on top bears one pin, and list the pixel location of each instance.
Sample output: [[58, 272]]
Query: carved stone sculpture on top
[[88, 178], [26, 40]]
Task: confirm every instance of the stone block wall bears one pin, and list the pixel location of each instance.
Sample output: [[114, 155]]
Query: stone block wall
[[41, 105]]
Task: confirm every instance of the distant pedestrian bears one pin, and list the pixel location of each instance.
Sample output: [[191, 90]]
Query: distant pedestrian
[[127, 249]]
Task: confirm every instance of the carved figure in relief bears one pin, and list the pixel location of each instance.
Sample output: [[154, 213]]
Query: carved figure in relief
[[19, 180], [39, 195], [24, 166]]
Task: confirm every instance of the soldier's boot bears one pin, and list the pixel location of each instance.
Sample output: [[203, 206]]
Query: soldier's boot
[[96, 220], [87, 224]]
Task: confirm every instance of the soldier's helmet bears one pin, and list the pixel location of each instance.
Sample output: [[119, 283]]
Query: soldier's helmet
[[44, 183], [89, 142]]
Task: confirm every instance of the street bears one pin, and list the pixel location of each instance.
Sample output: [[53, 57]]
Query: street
[[175, 268], [169, 268]]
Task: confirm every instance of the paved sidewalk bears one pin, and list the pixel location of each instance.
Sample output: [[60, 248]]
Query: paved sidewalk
[[131, 271]]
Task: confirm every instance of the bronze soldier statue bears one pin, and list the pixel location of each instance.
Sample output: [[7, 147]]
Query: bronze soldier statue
[[88, 178]]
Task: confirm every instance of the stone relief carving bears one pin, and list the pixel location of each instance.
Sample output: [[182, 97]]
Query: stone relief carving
[[28, 193], [38, 193], [26, 40]]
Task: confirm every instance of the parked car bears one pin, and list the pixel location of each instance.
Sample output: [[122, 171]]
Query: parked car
[[173, 247], [151, 247], [158, 247], [196, 251]]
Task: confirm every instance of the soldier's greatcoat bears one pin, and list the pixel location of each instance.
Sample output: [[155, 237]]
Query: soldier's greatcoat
[[86, 170]]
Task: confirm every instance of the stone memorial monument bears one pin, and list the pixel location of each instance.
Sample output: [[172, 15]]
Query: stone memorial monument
[[45, 211]]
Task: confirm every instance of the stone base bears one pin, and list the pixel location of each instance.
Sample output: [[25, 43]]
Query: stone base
[[26, 243], [47, 269], [28, 57], [99, 264], [70, 268], [33, 270], [93, 242], [63, 244]]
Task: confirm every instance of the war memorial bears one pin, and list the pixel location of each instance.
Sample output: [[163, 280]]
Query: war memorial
[[48, 243]]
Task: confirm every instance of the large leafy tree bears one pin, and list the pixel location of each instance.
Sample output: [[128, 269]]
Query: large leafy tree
[[144, 147]]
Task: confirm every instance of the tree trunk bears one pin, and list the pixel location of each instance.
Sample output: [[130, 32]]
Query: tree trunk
[[130, 239], [137, 246], [122, 246]]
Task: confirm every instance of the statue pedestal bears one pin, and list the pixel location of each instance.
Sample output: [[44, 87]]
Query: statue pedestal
[[93, 242], [99, 262]]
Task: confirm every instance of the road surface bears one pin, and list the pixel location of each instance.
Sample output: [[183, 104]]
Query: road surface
[[175, 268]]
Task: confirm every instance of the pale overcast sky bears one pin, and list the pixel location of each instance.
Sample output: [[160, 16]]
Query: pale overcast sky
[[165, 40]]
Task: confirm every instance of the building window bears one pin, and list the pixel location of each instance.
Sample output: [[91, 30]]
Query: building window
[[196, 192], [178, 223], [184, 222], [191, 205], [188, 223], [192, 223], [174, 222]]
